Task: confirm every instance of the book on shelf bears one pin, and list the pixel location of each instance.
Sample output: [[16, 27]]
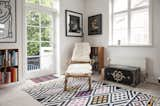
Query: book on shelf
[[13, 74], [14, 58], [3, 77], [9, 59], [8, 76], [0, 77], [2, 58]]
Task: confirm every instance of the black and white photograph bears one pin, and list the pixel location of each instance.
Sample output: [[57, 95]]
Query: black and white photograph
[[74, 24], [95, 24], [8, 21]]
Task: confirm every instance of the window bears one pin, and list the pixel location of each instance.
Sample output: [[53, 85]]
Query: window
[[40, 31], [44, 3], [129, 22]]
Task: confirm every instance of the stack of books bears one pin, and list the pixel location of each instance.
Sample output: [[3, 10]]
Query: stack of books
[[8, 76], [8, 66]]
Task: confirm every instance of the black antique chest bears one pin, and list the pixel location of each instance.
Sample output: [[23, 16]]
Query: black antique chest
[[123, 74]]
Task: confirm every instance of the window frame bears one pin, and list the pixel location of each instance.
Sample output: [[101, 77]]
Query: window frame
[[41, 9], [128, 11]]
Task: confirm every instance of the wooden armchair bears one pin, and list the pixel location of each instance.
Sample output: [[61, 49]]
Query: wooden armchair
[[79, 64]]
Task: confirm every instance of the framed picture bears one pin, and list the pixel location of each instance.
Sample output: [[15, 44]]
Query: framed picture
[[74, 24], [95, 25], [8, 21]]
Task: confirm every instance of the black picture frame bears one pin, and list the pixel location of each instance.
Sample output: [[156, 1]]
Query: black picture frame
[[8, 33], [74, 24], [95, 25]]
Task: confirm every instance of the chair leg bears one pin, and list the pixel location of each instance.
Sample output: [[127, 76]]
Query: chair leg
[[89, 82], [65, 84], [102, 74]]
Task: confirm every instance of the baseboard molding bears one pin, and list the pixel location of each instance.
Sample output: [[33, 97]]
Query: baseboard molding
[[153, 82]]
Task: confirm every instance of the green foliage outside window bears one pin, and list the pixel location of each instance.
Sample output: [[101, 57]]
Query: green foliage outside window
[[32, 1], [32, 33], [33, 48], [39, 29]]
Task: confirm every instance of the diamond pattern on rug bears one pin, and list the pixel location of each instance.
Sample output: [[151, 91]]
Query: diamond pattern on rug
[[120, 104], [102, 90], [64, 96], [83, 93], [52, 94], [119, 96], [102, 99], [52, 91], [54, 103], [78, 102], [140, 100]]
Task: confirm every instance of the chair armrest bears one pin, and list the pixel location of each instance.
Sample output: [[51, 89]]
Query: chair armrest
[[80, 62]]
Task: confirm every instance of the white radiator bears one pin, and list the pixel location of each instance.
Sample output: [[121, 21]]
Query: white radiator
[[130, 61]]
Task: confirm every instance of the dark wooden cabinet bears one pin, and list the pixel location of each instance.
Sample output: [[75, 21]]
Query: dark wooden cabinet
[[123, 74], [97, 57]]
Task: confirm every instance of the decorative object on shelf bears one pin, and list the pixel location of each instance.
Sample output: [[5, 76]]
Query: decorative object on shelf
[[8, 21], [95, 25], [74, 24], [8, 66], [123, 74]]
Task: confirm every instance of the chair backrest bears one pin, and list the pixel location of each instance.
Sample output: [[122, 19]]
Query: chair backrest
[[81, 52]]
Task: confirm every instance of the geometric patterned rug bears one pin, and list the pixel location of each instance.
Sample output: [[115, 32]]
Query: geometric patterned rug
[[102, 94]]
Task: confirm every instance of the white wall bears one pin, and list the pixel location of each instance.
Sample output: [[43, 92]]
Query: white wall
[[152, 53], [94, 7], [67, 43]]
